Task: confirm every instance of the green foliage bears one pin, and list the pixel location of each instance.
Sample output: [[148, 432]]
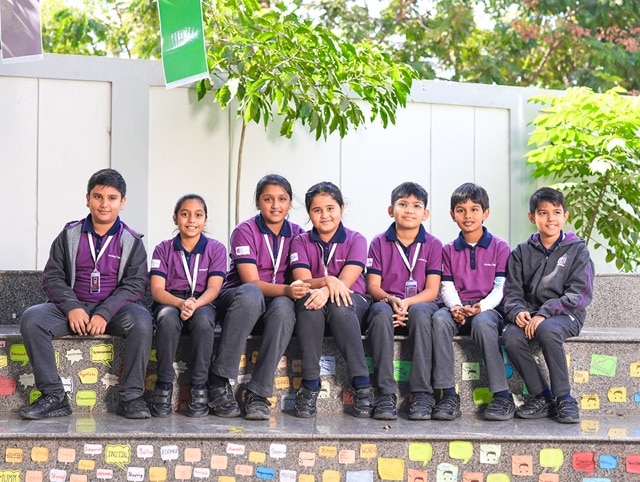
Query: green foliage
[[545, 43], [552, 44], [590, 145], [271, 57], [102, 28], [269, 60]]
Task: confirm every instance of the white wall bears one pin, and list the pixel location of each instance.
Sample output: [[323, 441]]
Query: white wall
[[63, 118]]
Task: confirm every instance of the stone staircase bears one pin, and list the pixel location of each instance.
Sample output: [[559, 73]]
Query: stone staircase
[[96, 444]]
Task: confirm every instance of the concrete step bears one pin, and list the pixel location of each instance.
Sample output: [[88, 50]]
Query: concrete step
[[604, 365], [96, 444], [613, 303], [331, 447]]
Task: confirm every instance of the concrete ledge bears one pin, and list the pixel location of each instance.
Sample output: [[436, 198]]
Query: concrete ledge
[[603, 364], [613, 304], [614, 301], [84, 444]]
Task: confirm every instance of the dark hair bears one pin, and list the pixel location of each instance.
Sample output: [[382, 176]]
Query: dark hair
[[470, 192], [272, 180], [108, 177], [407, 189], [186, 197], [324, 187], [547, 194]]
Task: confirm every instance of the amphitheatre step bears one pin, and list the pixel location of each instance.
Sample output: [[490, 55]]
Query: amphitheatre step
[[331, 447], [604, 367], [613, 304]]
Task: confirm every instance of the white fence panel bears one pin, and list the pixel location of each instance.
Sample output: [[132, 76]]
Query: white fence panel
[[64, 117]]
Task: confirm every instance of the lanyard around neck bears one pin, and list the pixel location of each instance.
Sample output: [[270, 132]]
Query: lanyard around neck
[[275, 262], [191, 279], [331, 253], [406, 261], [92, 248]]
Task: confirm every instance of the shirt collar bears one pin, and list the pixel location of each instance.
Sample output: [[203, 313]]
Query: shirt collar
[[87, 227], [484, 241], [536, 238], [391, 235], [198, 249], [264, 229], [340, 236]]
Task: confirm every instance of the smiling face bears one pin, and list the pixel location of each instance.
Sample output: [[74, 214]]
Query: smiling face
[[549, 219], [408, 212], [469, 217], [190, 219], [325, 214], [274, 204], [105, 204]]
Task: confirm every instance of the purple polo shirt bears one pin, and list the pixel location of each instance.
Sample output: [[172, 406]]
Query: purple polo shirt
[[473, 269], [309, 251], [248, 245], [385, 260], [167, 262], [107, 265]]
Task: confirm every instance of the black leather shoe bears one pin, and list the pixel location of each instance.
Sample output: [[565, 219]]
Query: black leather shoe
[[541, 407], [160, 402], [136, 408], [305, 404], [567, 411], [222, 402], [47, 406], [198, 405]]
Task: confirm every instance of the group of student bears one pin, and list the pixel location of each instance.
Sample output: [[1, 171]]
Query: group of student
[[284, 280]]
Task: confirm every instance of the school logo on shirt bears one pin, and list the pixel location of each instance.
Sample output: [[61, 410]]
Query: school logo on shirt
[[242, 250], [369, 262], [562, 261], [155, 263], [294, 257]]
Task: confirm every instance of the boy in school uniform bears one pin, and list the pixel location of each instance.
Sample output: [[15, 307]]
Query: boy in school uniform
[[403, 277], [474, 268], [549, 286], [95, 276]]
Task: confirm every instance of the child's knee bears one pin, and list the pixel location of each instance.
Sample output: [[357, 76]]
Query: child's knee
[[30, 320]]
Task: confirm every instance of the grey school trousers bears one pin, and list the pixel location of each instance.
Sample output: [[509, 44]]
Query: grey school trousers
[[278, 322], [239, 309], [344, 323], [550, 335], [419, 329], [41, 323], [485, 332], [169, 327]]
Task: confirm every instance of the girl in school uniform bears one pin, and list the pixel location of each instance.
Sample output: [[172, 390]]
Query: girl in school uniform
[[259, 251], [331, 258], [186, 275]]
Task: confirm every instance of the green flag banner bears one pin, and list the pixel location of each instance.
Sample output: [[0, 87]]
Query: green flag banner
[[183, 53]]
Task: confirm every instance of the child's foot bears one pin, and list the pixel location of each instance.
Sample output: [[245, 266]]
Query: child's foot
[[537, 407], [567, 411], [47, 406], [386, 407], [305, 404], [198, 405], [256, 407], [134, 409], [448, 408], [160, 402], [421, 406], [222, 402], [500, 408], [362, 402]]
